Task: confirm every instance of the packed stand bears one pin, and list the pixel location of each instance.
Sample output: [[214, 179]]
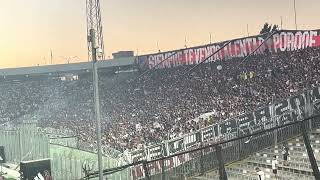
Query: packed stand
[[163, 104]]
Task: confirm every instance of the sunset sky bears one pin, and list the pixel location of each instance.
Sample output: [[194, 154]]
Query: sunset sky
[[30, 28]]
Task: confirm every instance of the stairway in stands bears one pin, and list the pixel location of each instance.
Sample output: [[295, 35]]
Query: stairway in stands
[[299, 166]]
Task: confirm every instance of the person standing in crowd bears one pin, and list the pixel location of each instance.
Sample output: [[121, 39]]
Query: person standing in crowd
[[260, 173], [285, 153], [274, 164]]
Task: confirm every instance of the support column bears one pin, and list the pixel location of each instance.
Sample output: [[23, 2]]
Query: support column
[[96, 100], [146, 171], [222, 170], [312, 159]]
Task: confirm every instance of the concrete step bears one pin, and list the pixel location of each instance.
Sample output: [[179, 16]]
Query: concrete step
[[297, 170], [269, 156], [248, 169], [294, 165], [248, 173]]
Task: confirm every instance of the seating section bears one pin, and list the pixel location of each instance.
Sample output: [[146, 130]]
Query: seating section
[[298, 166], [163, 104]]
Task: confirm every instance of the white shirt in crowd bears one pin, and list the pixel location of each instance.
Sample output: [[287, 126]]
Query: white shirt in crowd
[[261, 175], [274, 163]]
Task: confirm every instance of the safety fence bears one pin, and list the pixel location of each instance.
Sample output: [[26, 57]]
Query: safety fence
[[27, 142], [164, 161], [24, 143], [72, 163], [211, 156]]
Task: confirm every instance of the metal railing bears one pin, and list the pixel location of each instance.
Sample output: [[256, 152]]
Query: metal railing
[[196, 153], [197, 161], [27, 142]]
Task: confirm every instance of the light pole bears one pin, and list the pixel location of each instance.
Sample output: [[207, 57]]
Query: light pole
[[51, 57], [248, 30], [295, 14], [96, 98]]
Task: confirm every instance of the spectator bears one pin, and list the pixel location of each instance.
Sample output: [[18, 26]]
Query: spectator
[[274, 165], [285, 153], [260, 173]]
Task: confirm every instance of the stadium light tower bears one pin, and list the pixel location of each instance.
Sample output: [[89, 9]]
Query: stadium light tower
[[95, 53], [94, 22]]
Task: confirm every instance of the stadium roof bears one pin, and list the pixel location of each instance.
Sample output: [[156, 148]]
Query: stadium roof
[[61, 68]]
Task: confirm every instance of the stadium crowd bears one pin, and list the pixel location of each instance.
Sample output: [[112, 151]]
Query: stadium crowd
[[162, 104]]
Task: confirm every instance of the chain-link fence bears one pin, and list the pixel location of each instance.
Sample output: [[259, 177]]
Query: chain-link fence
[[205, 158], [26, 142], [71, 163]]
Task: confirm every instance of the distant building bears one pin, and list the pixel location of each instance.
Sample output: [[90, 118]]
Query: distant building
[[122, 54]]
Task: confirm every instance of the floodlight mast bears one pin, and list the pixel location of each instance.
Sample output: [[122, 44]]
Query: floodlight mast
[[94, 22], [95, 53]]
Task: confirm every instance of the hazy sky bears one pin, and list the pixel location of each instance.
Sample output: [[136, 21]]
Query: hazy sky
[[30, 28]]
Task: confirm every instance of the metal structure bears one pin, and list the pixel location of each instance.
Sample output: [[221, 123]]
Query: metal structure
[[94, 22], [27, 142], [214, 156], [95, 53], [197, 153], [295, 14]]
